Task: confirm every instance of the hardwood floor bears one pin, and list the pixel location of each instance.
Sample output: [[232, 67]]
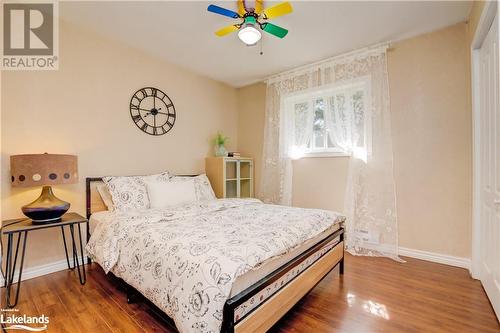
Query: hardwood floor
[[375, 295]]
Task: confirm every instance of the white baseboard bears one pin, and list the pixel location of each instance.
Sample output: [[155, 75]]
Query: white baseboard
[[436, 257], [33, 272]]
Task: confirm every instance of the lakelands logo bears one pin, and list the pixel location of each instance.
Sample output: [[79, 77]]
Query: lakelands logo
[[30, 35], [11, 321]]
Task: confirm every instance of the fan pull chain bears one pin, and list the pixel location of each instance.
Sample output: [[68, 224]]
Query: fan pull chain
[[261, 46]]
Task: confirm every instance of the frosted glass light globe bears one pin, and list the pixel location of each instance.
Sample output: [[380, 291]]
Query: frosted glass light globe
[[249, 34]]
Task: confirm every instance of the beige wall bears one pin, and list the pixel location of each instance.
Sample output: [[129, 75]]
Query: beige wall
[[250, 117], [320, 182], [428, 77], [83, 109]]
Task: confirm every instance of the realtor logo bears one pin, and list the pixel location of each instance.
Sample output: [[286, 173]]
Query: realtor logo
[[30, 33]]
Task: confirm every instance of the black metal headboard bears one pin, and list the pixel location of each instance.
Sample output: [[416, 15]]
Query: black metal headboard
[[88, 181]]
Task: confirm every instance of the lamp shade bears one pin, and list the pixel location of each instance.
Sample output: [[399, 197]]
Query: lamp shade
[[43, 169]]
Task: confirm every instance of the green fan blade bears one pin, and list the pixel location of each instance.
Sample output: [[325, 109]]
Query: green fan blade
[[274, 30]]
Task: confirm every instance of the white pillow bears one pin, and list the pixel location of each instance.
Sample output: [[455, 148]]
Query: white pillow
[[129, 193], [164, 194], [103, 191], [202, 186]]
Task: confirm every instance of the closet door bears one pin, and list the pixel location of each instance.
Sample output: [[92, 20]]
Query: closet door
[[489, 136]]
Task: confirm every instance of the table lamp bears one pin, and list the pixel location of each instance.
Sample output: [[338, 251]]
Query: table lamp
[[44, 170]]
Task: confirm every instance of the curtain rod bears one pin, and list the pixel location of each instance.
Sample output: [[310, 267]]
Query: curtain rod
[[353, 53]]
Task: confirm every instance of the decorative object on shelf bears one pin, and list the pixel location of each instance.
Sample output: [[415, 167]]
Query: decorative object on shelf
[[233, 154], [251, 19], [44, 170], [220, 141], [152, 111]]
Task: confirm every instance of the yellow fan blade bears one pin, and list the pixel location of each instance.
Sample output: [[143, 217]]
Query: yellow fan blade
[[241, 8], [258, 6], [226, 30], [278, 10]]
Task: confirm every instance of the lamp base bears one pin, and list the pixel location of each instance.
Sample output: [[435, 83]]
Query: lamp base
[[47, 208], [49, 221]]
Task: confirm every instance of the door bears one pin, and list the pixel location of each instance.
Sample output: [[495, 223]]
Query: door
[[489, 166], [246, 178], [231, 178]]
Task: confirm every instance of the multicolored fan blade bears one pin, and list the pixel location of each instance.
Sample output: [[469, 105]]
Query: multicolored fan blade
[[222, 11], [241, 8], [258, 6], [278, 10], [227, 30], [274, 30]]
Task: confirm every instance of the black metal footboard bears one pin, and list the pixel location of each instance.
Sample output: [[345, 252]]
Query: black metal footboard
[[262, 289]]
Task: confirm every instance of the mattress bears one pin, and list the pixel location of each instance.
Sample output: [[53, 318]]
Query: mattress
[[253, 276]]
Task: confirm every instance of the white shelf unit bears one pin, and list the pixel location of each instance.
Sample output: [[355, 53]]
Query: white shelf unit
[[231, 177]]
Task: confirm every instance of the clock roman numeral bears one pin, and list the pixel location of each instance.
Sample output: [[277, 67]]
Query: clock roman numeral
[[170, 124], [154, 92], [135, 97], [137, 117], [144, 93], [144, 127]]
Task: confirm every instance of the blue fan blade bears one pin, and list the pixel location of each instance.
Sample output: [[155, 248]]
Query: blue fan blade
[[222, 11]]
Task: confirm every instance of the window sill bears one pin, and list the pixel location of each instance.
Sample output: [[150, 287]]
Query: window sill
[[326, 154]]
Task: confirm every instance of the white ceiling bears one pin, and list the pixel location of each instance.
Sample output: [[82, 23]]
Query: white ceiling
[[182, 32]]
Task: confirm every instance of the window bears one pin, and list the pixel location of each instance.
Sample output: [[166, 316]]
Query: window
[[321, 138], [331, 121]]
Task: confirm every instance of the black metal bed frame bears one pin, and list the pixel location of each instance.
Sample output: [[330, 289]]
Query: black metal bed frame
[[228, 321]]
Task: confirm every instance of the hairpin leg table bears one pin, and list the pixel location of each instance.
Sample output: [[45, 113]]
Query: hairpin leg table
[[17, 234]]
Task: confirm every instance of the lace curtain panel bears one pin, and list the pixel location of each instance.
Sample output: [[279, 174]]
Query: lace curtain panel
[[360, 126]]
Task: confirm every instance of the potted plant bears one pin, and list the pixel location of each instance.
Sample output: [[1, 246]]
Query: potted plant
[[219, 141]]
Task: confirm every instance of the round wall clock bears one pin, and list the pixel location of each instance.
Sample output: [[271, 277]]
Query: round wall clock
[[152, 111]]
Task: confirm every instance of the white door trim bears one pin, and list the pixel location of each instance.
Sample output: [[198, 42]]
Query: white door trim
[[487, 16]]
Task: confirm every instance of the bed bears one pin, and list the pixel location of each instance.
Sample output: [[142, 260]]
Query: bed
[[229, 280]]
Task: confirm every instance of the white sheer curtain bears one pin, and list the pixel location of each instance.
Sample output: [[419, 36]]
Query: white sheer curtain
[[294, 133], [338, 121], [297, 127], [276, 181], [360, 124]]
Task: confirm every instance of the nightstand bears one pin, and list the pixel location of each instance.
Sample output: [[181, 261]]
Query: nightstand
[[21, 230]]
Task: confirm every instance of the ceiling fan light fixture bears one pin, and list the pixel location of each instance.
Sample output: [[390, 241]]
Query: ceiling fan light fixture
[[252, 21], [249, 35]]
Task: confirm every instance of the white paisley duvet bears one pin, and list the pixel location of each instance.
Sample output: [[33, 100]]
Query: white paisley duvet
[[186, 258]]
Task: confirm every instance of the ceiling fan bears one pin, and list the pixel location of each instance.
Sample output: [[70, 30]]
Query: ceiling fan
[[251, 18]]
